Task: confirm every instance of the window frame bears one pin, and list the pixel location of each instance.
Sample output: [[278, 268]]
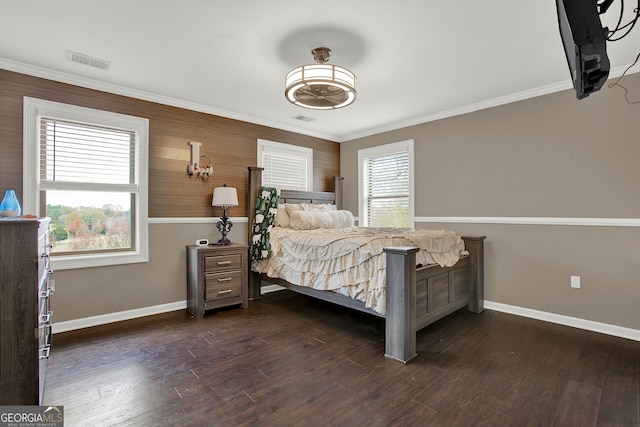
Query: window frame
[[33, 110], [387, 149], [280, 147]]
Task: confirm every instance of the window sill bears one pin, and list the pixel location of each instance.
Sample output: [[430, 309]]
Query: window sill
[[69, 262]]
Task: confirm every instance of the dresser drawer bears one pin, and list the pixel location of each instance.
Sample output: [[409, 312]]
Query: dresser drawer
[[44, 256], [222, 262], [223, 285]]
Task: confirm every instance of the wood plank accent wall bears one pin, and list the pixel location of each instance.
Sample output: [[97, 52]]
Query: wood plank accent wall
[[230, 144]]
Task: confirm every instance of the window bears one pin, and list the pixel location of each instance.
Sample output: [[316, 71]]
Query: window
[[286, 166], [87, 170], [385, 190]]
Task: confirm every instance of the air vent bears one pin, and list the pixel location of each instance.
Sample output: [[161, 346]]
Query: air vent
[[303, 118], [81, 58]]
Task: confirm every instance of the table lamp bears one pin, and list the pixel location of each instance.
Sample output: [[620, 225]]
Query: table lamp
[[224, 196]]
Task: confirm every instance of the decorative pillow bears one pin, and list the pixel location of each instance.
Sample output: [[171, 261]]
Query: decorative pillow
[[282, 217], [310, 220], [311, 207], [291, 208], [315, 207], [319, 207]]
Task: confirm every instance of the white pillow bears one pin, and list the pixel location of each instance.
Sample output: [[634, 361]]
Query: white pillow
[[292, 207], [285, 210], [318, 207], [311, 220], [282, 217]]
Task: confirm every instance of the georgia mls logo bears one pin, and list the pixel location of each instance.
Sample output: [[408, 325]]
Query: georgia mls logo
[[31, 416], [55, 414]]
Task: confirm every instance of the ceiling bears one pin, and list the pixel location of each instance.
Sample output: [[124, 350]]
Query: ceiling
[[416, 60]]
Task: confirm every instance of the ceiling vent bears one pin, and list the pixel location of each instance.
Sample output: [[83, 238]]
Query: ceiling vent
[[303, 118], [81, 58]]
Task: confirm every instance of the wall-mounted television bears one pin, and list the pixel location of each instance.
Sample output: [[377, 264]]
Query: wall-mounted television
[[584, 42]]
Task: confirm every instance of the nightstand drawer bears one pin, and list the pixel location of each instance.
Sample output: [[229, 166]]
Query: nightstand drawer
[[224, 285], [222, 262]]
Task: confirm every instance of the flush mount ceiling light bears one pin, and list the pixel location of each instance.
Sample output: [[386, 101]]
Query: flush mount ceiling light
[[321, 86]]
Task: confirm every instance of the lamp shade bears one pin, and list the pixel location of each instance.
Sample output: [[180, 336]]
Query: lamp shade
[[224, 196]]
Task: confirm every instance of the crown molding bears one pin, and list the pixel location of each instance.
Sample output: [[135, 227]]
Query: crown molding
[[62, 77], [495, 102]]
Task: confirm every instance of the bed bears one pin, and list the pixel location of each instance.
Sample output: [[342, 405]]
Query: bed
[[416, 295]]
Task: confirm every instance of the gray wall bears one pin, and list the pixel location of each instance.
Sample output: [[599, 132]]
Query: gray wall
[[550, 156], [102, 291]]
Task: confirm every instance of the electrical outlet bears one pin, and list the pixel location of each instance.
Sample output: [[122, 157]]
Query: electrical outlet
[[575, 282]]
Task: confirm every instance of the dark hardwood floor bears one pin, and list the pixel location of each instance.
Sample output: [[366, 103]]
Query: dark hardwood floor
[[291, 361]]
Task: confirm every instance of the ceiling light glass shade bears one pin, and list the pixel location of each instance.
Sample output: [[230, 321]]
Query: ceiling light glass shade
[[320, 86]]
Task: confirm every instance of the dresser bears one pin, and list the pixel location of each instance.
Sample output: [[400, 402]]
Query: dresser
[[25, 313], [217, 276]]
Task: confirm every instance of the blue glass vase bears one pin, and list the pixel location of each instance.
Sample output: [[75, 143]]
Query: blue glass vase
[[10, 205]]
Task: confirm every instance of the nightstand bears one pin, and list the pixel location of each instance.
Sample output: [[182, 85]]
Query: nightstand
[[217, 276]]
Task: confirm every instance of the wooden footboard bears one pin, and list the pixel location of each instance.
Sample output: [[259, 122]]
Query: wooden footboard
[[419, 297], [416, 297]]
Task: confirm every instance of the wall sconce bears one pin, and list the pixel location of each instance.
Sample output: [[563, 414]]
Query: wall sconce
[[224, 196], [195, 167]]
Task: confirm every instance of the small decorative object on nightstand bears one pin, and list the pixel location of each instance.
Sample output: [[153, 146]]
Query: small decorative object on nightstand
[[224, 196], [217, 276]]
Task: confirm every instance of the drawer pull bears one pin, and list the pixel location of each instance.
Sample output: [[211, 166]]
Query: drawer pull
[[44, 352], [226, 279], [45, 320], [228, 291], [224, 262]]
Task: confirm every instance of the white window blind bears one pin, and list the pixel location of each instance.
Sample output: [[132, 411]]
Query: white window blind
[[386, 185], [388, 190], [86, 157], [284, 171], [87, 170], [285, 166]]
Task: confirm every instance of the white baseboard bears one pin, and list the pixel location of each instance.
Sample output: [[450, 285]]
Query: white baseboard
[[103, 319], [594, 222], [271, 288], [574, 322]]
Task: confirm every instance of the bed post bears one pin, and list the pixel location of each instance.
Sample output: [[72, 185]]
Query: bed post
[[400, 325], [337, 189], [255, 182], [475, 246]]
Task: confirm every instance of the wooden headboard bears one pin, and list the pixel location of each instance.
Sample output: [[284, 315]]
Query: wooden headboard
[[294, 196], [286, 196], [290, 196]]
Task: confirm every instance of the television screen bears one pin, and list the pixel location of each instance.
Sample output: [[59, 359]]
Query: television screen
[[584, 42]]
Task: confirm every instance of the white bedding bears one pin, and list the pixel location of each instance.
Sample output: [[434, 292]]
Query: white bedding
[[351, 260]]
